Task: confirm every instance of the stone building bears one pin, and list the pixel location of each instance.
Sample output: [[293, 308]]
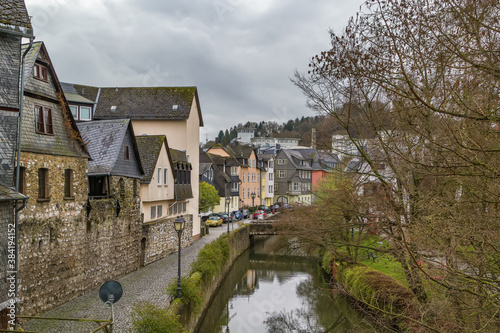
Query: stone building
[[53, 165], [14, 24]]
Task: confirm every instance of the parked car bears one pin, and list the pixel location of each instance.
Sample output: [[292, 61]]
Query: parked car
[[237, 215], [259, 212], [265, 209], [213, 221], [245, 213], [225, 218], [260, 216]]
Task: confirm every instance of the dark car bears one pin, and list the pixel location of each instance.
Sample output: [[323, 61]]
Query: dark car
[[265, 209], [225, 218], [245, 213]]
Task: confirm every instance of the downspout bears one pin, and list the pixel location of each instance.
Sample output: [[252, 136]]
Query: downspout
[[18, 168]]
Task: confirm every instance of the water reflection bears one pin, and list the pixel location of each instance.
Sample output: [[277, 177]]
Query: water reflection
[[264, 293]]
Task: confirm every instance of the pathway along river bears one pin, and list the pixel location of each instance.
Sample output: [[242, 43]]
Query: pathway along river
[[264, 293]]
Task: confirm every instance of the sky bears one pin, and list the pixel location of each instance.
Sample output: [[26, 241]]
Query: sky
[[240, 54]]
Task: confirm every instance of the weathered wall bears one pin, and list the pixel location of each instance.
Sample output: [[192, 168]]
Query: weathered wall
[[8, 140], [64, 253], [6, 217], [161, 238]]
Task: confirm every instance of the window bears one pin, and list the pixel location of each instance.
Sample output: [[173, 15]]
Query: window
[[165, 176], [258, 177], [68, 183], [159, 211], [249, 193], [271, 164], [234, 187], [258, 192], [74, 111], [248, 177], [98, 187], [243, 193], [153, 212], [159, 176], [40, 72], [270, 188], [43, 120], [127, 152], [295, 186], [43, 183], [85, 113], [271, 176], [183, 206], [281, 161], [234, 171], [243, 177], [281, 173]]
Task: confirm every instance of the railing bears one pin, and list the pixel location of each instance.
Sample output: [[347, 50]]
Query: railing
[[103, 325]]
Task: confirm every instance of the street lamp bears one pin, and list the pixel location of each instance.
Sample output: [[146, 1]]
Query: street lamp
[[253, 200], [228, 200], [179, 225]]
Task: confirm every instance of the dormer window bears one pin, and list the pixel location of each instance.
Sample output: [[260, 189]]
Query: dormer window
[[40, 72], [113, 108], [43, 120], [175, 107]]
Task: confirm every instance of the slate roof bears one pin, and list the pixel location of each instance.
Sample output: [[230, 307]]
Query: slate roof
[[14, 16], [139, 102], [104, 140], [38, 49], [221, 178], [149, 150], [294, 157], [242, 151], [205, 167], [6, 194]]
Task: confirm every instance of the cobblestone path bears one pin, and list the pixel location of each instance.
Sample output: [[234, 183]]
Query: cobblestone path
[[148, 283]]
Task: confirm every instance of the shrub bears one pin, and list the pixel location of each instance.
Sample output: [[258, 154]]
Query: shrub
[[191, 293], [150, 318], [212, 258]]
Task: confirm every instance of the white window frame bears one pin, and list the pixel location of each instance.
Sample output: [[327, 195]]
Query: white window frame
[[158, 174], [165, 176], [90, 113], [281, 173]]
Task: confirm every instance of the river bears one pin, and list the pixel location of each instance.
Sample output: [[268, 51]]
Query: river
[[278, 293]]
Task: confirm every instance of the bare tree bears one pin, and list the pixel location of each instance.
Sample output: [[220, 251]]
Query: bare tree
[[415, 85]]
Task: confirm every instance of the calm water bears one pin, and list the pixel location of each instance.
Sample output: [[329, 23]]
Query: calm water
[[264, 293]]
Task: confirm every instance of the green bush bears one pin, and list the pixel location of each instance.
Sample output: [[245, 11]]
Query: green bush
[[191, 293], [212, 258], [150, 318]]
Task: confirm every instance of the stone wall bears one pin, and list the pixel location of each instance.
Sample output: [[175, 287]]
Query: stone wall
[[160, 239], [6, 217], [64, 253]]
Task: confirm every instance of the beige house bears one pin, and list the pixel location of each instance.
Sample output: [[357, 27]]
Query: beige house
[[173, 112]]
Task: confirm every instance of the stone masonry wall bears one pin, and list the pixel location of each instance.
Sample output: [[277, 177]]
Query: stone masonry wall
[[64, 253], [6, 217], [162, 239]]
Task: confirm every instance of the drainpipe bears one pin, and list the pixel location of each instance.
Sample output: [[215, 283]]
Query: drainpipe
[[18, 168]]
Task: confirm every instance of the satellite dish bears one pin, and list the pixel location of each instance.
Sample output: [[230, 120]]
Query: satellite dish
[[110, 292]]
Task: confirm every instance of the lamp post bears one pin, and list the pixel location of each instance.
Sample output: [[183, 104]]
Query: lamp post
[[179, 225], [228, 200], [253, 200]]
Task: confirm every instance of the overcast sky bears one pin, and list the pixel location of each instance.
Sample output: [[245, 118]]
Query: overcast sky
[[239, 53]]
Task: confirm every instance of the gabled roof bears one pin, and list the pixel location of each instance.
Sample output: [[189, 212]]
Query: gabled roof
[[104, 140], [14, 17], [149, 147], [39, 49], [173, 103], [205, 167], [221, 178], [89, 93], [294, 157], [242, 151]]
